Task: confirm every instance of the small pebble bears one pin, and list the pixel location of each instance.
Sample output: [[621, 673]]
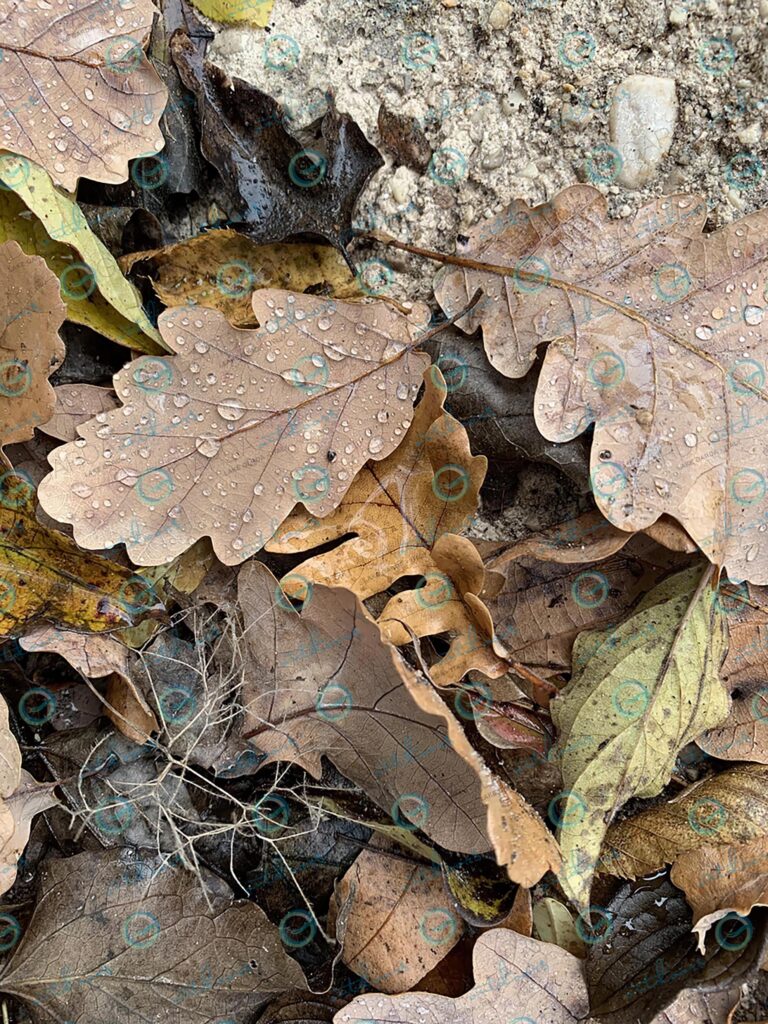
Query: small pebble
[[642, 122], [678, 17], [500, 16]]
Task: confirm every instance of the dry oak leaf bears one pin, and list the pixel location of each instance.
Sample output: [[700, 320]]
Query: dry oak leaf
[[21, 798], [400, 923], [324, 683], [403, 513], [134, 938], [31, 313], [727, 808], [719, 880], [657, 335], [221, 269], [225, 438], [513, 974], [76, 404], [45, 576], [77, 94]]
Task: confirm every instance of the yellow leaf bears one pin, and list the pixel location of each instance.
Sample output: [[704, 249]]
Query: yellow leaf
[[92, 285], [231, 12]]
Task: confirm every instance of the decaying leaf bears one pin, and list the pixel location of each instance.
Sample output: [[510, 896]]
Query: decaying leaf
[[284, 188], [226, 437], [522, 843], [403, 513], [512, 973], [88, 62], [45, 576], [130, 936], [96, 656], [727, 808], [324, 683], [76, 404], [657, 336], [646, 689], [221, 269], [32, 314], [21, 798], [92, 285], [550, 595], [641, 953], [400, 922], [722, 880]]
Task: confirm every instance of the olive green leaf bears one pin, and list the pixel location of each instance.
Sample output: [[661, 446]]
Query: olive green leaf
[[641, 692]]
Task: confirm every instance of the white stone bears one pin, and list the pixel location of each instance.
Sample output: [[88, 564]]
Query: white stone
[[642, 122], [500, 16], [678, 17], [751, 135], [401, 184]]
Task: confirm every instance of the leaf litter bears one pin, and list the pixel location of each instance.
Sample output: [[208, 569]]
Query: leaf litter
[[281, 737]]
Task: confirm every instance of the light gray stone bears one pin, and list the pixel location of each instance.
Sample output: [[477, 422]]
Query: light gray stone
[[642, 122]]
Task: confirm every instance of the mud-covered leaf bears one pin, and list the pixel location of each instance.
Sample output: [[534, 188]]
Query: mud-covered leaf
[[221, 269], [45, 576], [730, 807], [123, 936], [31, 349], [512, 973], [646, 689], [642, 953], [92, 284], [226, 437], [88, 62], [285, 188], [400, 922], [658, 337], [324, 683], [402, 514]]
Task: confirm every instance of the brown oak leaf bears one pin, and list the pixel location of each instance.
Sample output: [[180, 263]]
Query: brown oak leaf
[[657, 335], [226, 437]]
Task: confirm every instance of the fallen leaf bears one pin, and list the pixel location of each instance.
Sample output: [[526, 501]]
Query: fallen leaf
[[76, 404], [545, 604], [285, 188], [324, 683], [132, 937], [508, 725], [93, 286], [301, 1008], [641, 952], [44, 576], [203, 450], [672, 393], [646, 689], [402, 514], [520, 917], [400, 923], [21, 798], [92, 60], [32, 314], [403, 137], [719, 880], [553, 922], [692, 1007], [727, 808], [521, 841], [221, 269], [235, 12], [482, 895], [96, 656], [511, 971]]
